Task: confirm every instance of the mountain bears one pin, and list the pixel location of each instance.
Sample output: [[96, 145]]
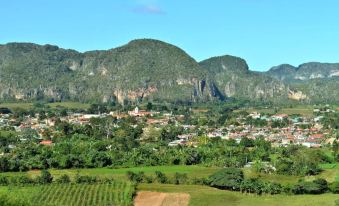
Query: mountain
[[307, 71], [314, 82], [140, 70], [234, 79], [152, 70]]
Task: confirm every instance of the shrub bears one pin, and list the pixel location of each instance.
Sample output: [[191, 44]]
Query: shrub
[[180, 178], [45, 177], [228, 178], [160, 177], [317, 186], [21, 180], [85, 179], [64, 179], [4, 181], [334, 187], [136, 177], [200, 181], [322, 183]]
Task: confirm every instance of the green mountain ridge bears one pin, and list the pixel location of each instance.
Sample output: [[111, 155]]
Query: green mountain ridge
[[145, 70]]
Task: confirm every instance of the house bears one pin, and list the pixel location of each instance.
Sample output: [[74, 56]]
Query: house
[[46, 142], [279, 116], [139, 113]]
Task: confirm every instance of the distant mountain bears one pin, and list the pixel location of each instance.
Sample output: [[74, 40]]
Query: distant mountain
[[313, 82], [233, 79], [152, 70], [308, 71]]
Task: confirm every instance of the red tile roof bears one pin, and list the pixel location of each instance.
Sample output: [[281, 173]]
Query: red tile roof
[[46, 142]]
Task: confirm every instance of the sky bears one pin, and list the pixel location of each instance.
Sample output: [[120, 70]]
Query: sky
[[263, 32]]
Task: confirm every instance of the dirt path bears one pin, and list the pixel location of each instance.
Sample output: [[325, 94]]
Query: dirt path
[[161, 199]]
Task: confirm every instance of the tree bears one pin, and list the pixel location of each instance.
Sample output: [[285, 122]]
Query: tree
[[228, 178], [317, 186], [149, 106], [246, 142]]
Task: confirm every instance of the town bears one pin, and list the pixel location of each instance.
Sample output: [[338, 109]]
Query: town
[[279, 129]]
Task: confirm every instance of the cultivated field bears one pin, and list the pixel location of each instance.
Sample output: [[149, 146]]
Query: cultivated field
[[117, 193], [161, 199]]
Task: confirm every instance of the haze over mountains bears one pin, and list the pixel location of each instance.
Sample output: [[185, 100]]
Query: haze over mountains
[[149, 69]]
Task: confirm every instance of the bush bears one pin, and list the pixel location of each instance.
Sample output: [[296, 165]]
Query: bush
[[180, 178], [107, 180], [334, 187], [160, 177], [64, 179], [4, 181], [85, 179], [200, 181], [317, 186], [322, 183], [45, 177], [136, 177], [228, 178], [21, 180]]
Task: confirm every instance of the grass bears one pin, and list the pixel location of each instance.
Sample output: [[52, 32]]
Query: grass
[[12, 106], [304, 110], [203, 195], [191, 171], [330, 173], [69, 105], [196, 171], [27, 106], [282, 179], [118, 193], [7, 133]]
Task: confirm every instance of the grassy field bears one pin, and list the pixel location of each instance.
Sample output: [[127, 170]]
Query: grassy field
[[304, 110], [27, 106], [7, 133], [330, 173], [118, 193], [70, 105], [191, 171], [282, 179], [202, 196]]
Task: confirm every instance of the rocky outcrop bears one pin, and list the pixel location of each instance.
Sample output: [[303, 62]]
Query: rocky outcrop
[[296, 95]]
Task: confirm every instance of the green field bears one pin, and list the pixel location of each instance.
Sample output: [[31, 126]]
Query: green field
[[118, 193], [304, 110], [27, 106], [200, 195], [7, 133], [69, 105], [191, 171], [196, 171], [204, 196]]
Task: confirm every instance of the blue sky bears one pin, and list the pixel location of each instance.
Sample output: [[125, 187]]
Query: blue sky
[[264, 32]]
